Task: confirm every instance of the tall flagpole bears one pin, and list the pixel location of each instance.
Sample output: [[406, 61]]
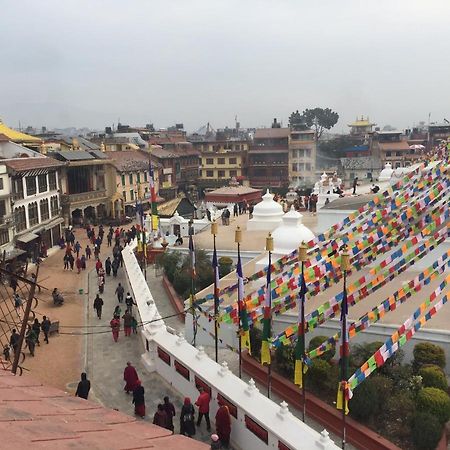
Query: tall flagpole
[[268, 311], [302, 256], [238, 240], [214, 230], [345, 265], [192, 296]]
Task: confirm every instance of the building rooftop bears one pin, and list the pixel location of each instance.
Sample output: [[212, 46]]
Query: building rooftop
[[271, 133], [36, 416], [233, 190], [361, 123], [129, 160], [402, 145], [26, 164], [17, 136]]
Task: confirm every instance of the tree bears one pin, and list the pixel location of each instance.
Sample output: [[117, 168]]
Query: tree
[[320, 119], [427, 353], [434, 401], [426, 431], [296, 121]]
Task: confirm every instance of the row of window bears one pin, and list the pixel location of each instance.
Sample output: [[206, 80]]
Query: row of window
[[131, 178], [43, 183], [132, 195], [33, 214], [220, 173], [221, 161], [301, 167], [301, 153]]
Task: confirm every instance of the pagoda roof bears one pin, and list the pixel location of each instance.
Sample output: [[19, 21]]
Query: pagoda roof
[[17, 136], [361, 123]]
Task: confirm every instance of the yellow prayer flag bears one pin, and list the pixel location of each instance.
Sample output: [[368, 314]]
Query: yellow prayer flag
[[245, 341], [298, 372], [265, 353], [340, 400]]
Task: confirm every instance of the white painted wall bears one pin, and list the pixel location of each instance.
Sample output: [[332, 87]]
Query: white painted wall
[[276, 419]]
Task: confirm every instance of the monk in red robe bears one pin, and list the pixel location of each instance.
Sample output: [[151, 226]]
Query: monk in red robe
[[131, 377], [223, 424]]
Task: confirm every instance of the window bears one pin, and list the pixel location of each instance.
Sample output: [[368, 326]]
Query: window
[[45, 215], [42, 182], [221, 173], [52, 181], [17, 188], [124, 195], [210, 161], [131, 178], [398, 154], [138, 177], [294, 167], [233, 161], [4, 236], [146, 190], [31, 185], [2, 208], [146, 176], [233, 173], [131, 195], [388, 153], [123, 179], [54, 205], [33, 215], [209, 173], [21, 221], [1, 183], [220, 160]]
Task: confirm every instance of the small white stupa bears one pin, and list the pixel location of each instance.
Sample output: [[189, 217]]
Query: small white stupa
[[267, 214], [386, 173], [287, 237]]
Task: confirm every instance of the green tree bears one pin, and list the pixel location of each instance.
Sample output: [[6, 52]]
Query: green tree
[[434, 376], [427, 353], [296, 121], [320, 119], [225, 265], [365, 401]]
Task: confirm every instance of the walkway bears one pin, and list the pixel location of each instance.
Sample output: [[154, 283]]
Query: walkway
[[106, 360]]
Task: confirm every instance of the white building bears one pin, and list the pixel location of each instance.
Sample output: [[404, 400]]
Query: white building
[[34, 184], [6, 222]]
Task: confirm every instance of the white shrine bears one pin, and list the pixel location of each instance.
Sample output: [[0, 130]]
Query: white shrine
[[325, 187], [386, 173], [267, 214]]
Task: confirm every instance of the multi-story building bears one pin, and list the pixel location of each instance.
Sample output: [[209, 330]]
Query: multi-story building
[[86, 185], [302, 157], [222, 161], [268, 158], [131, 178], [35, 200], [6, 218], [392, 147], [436, 133], [361, 127]]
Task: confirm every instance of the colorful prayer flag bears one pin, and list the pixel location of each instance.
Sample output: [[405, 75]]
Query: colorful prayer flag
[[245, 331], [300, 367], [267, 325]]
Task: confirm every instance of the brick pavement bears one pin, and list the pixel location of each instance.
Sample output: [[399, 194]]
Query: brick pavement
[[106, 360]]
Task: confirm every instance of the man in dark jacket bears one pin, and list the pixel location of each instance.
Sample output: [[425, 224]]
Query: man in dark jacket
[[45, 327], [84, 386], [98, 305]]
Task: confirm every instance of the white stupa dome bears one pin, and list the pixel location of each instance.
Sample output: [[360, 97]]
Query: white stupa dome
[[267, 214], [386, 173], [288, 236]]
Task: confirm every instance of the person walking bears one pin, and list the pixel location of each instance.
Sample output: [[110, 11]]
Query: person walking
[[355, 183], [71, 261], [45, 327], [203, 408], [84, 386], [170, 412], [130, 377], [30, 340], [83, 262], [108, 266], [77, 247], [223, 424], [115, 328], [101, 283], [160, 417], [139, 399], [115, 267], [66, 261], [119, 291], [134, 324], [109, 238], [187, 418], [98, 305], [98, 265], [37, 330], [78, 264], [88, 252], [14, 340], [130, 302], [127, 322]]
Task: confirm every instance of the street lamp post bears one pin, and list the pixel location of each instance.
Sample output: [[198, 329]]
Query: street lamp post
[[238, 240], [214, 231], [302, 257], [345, 266]]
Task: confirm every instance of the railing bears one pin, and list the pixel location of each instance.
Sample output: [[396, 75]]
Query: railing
[[83, 197]]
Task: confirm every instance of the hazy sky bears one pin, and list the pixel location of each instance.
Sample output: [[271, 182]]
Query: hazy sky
[[90, 62]]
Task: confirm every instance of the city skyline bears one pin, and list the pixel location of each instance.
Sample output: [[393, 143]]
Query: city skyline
[[88, 64]]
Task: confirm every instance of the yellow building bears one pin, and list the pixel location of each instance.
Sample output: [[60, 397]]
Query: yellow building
[[222, 161], [130, 176], [361, 127], [302, 157]]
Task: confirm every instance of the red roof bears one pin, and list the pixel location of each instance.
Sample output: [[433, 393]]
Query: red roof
[[36, 416], [402, 145], [31, 163], [274, 133]]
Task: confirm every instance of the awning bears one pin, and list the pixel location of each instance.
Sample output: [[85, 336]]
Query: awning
[[27, 237]]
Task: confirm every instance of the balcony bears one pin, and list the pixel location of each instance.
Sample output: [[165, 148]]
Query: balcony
[[6, 221], [84, 197]]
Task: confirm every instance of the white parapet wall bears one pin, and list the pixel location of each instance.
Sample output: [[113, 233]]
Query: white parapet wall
[[257, 422]]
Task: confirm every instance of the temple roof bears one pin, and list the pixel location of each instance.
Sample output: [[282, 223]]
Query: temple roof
[[361, 122], [17, 136]]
